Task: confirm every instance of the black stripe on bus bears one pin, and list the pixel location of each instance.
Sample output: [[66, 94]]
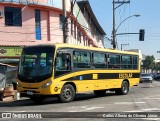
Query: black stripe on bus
[[104, 76]]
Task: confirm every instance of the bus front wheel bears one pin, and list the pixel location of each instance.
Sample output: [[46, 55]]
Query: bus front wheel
[[67, 93], [124, 88]]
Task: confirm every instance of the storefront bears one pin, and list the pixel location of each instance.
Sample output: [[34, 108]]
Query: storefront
[[9, 59], [10, 55]]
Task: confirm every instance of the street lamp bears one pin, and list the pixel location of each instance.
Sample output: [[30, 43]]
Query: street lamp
[[115, 30], [136, 15]]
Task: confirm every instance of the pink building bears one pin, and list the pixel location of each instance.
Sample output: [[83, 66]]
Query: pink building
[[29, 22]]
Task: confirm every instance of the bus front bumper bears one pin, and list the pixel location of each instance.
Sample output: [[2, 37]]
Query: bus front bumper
[[41, 89]]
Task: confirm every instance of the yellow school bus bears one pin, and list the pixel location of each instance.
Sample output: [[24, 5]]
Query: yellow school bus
[[65, 70]]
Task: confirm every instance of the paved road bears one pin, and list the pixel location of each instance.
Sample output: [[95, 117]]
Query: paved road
[[143, 98]]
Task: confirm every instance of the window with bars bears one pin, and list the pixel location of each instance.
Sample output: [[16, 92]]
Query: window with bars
[[13, 16]]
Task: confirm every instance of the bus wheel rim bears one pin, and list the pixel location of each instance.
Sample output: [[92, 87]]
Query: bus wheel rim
[[67, 93], [125, 88]]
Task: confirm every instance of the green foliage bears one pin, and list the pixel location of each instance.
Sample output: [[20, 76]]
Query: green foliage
[[148, 62], [157, 66]]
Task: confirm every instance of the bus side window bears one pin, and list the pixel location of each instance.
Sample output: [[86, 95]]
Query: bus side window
[[82, 59], [63, 61], [59, 62], [126, 62], [99, 60], [135, 62], [114, 61]]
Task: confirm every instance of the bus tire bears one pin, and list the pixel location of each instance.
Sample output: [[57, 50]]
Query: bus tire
[[67, 93], [124, 89], [37, 99], [99, 92]]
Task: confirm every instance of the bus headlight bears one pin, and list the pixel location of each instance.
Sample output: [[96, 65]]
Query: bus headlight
[[46, 84]]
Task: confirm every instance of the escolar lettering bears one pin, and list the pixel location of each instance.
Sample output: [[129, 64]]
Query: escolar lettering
[[125, 75]]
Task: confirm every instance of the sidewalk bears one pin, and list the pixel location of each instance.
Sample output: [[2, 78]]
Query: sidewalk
[[13, 100]]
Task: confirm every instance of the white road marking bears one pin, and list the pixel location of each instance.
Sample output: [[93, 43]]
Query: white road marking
[[152, 98], [139, 102], [152, 119], [87, 108], [15, 111], [123, 103], [151, 109], [83, 108], [145, 110], [128, 103]]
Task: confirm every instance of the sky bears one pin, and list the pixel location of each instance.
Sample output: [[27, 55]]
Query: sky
[[149, 21]]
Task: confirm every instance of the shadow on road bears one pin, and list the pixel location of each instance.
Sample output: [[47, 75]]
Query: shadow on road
[[83, 97], [51, 100]]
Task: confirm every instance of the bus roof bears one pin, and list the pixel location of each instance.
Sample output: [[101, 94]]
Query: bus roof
[[64, 45]]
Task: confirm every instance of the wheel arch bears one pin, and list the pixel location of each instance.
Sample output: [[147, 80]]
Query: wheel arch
[[126, 81], [73, 84]]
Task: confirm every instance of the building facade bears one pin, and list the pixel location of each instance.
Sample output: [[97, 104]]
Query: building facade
[[30, 22]]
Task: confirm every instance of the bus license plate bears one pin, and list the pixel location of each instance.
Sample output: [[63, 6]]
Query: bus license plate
[[29, 93]]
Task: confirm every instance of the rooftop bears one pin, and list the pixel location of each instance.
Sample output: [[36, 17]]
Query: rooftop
[[85, 3]]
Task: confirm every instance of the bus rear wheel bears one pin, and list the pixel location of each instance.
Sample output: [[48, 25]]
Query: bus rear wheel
[[67, 93], [99, 92], [124, 88]]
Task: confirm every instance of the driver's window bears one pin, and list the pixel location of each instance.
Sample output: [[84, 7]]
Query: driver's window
[[63, 61]]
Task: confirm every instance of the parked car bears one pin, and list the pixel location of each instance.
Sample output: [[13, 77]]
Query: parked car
[[146, 77], [157, 76]]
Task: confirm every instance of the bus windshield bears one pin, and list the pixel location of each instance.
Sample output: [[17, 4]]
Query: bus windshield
[[36, 63]]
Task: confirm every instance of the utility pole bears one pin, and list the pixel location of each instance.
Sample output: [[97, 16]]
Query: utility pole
[[64, 22], [114, 8], [113, 31]]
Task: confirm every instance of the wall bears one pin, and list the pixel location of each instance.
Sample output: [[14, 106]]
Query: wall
[[19, 34], [50, 28], [25, 34]]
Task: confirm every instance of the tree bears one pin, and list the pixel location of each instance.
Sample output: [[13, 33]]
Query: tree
[[148, 62], [157, 66]]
